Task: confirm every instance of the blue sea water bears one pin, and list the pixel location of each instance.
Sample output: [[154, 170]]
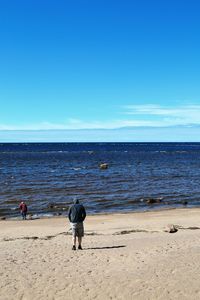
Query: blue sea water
[[47, 176]]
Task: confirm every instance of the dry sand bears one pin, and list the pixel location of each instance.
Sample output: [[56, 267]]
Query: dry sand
[[125, 256]]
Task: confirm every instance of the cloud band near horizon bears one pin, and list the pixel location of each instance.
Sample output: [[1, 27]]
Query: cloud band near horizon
[[150, 115]]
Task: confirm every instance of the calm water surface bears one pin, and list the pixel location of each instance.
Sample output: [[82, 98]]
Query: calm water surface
[[49, 175]]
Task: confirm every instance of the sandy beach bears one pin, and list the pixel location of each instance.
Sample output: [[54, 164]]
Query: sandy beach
[[125, 256]]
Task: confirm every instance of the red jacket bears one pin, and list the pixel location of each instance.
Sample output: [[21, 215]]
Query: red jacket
[[23, 207]]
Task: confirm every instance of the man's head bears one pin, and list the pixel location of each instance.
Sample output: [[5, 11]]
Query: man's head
[[76, 201]]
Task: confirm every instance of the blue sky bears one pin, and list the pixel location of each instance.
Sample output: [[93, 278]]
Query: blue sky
[[73, 65]]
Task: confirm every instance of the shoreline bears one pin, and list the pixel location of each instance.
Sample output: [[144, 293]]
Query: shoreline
[[45, 216], [154, 220]]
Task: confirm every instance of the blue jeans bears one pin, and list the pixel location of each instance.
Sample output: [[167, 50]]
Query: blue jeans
[[24, 215]]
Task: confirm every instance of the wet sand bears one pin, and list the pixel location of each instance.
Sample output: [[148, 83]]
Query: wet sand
[[124, 256]]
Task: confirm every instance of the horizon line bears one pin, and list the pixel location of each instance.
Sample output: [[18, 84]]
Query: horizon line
[[117, 128]]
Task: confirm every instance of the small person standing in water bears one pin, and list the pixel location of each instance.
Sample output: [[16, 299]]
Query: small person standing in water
[[23, 208], [76, 215]]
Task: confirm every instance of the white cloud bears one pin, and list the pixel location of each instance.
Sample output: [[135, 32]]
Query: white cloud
[[135, 116], [166, 115], [77, 124]]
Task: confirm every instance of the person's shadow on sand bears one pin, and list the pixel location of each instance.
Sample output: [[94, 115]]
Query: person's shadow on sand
[[106, 247]]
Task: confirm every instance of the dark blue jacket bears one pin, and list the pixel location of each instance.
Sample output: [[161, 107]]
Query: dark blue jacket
[[76, 213]]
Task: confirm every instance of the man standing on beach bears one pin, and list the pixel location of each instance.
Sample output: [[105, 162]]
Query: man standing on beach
[[23, 209], [76, 215]]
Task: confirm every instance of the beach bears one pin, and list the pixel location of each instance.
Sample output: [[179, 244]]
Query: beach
[[124, 256]]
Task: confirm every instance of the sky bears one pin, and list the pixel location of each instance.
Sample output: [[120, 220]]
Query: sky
[[99, 70]]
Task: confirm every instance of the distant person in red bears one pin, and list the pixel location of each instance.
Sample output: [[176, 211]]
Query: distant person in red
[[23, 209]]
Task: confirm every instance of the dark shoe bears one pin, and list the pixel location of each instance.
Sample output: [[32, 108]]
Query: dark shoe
[[74, 248], [80, 248]]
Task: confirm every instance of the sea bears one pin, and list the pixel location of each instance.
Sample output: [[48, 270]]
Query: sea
[[139, 177]]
